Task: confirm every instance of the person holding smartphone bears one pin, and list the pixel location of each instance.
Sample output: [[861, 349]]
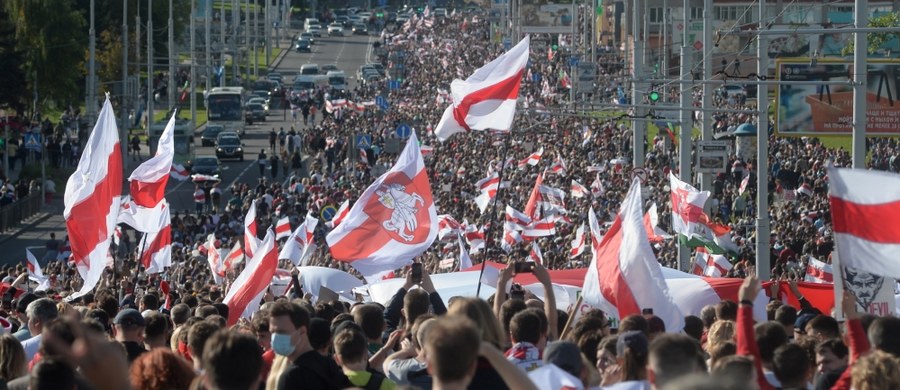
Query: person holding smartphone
[[407, 304], [543, 277]]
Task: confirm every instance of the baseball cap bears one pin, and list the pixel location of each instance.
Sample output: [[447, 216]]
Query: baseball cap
[[634, 340], [565, 355], [129, 317]]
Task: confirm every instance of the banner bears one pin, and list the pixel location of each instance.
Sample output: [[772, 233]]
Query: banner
[[874, 293], [810, 110], [542, 16]]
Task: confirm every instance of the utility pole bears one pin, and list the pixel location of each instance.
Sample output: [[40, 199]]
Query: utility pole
[[235, 50], [207, 16], [222, 43], [255, 41], [687, 126], [763, 250], [150, 89], [92, 72], [123, 107], [707, 102], [193, 72], [860, 67], [248, 45], [664, 49], [637, 126], [267, 36], [172, 87]]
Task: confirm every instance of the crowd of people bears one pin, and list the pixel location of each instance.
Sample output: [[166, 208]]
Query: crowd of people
[[170, 330]]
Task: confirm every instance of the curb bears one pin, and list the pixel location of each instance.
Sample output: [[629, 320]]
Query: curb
[[40, 217]]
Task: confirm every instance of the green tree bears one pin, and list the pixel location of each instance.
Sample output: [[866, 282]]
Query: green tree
[[12, 78], [877, 40], [50, 35]]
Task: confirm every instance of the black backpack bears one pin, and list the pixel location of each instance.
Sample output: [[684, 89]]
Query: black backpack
[[375, 381]]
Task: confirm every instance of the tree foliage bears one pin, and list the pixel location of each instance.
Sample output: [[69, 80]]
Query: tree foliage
[[12, 77], [877, 40], [50, 34]]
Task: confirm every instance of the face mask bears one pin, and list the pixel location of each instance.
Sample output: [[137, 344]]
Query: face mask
[[282, 345]]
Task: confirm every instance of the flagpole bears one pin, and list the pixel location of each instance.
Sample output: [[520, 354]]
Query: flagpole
[[488, 237]]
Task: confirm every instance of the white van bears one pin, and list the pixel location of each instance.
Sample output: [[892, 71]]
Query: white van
[[309, 69], [310, 21]]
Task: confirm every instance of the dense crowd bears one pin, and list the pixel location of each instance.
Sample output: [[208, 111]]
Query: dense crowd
[[170, 330]]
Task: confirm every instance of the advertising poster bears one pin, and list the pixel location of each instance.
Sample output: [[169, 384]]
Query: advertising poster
[[810, 110], [541, 16]]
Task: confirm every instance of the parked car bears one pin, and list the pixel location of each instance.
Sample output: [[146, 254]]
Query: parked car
[[336, 29], [255, 113], [303, 46], [208, 138], [360, 29], [206, 165], [229, 146]]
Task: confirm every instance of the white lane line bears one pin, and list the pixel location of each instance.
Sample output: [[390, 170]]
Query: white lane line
[[369, 49], [251, 164]]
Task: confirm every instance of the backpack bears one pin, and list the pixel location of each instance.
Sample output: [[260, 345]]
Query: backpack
[[374, 381]]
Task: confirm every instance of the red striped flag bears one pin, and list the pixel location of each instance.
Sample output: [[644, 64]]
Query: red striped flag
[[283, 228], [540, 228], [300, 246], [578, 244], [234, 257], [251, 240], [340, 214], [535, 255], [819, 272], [248, 289], [577, 190], [532, 159], [559, 165], [517, 218]]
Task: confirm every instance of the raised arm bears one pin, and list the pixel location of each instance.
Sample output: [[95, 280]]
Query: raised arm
[[746, 338], [549, 301], [500, 295]]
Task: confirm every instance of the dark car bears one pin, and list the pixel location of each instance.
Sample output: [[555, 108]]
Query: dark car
[[303, 46], [255, 112], [209, 136], [230, 146], [360, 29], [206, 165]]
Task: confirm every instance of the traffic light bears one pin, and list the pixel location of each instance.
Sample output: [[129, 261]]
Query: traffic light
[[653, 96]]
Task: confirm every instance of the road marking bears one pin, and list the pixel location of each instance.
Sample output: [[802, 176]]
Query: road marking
[[252, 163], [369, 49]]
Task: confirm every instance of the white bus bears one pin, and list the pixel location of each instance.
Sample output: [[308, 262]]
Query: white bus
[[225, 106]]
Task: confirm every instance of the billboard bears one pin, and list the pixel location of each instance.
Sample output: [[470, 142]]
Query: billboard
[[810, 110], [546, 17]]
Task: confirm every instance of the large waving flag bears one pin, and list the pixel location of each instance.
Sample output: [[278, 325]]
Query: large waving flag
[[92, 199], [35, 274], [447, 227], [713, 265], [532, 159], [691, 223], [578, 244], [339, 215], [156, 245], [247, 290], [283, 228], [465, 261], [300, 246], [234, 257], [577, 190], [148, 181], [818, 271], [487, 99], [864, 208], [532, 208], [474, 237], [624, 275], [214, 257], [393, 221], [651, 223]]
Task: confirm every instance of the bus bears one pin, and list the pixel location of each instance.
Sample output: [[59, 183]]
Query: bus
[[183, 138], [225, 106]]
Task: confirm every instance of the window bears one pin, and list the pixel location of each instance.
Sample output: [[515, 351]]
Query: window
[[656, 15], [696, 13], [732, 13]]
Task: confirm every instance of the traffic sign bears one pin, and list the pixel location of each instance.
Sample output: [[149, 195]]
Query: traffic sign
[[33, 141], [404, 131], [328, 212], [507, 43], [382, 102], [363, 140], [394, 84], [698, 45], [573, 61]]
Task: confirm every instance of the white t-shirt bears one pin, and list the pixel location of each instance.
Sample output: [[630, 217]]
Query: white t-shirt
[[31, 347]]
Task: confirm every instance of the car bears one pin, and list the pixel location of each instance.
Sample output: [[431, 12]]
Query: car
[[255, 112], [227, 134], [303, 46], [275, 76], [361, 73], [208, 137], [735, 90], [377, 66], [309, 37], [206, 165], [265, 94], [336, 29], [262, 101], [360, 29], [440, 12], [315, 30], [328, 68], [344, 21], [371, 78], [337, 80], [309, 69], [230, 147], [310, 21]]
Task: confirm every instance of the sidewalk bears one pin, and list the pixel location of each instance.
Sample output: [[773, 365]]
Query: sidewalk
[[34, 231]]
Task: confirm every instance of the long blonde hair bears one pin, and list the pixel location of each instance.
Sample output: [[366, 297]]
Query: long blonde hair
[[481, 314], [279, 365], [12, 358]]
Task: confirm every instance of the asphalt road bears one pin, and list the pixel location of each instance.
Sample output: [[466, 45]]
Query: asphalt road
[[348, 53]]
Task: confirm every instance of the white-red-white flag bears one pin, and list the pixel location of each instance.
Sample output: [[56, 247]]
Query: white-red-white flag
[[234, 257], [35, 274], [651, 223], [465, 262], [532, 159], [578, 244], [179, 172], [156, 246], [283, 228], [300, 246], [487, 99], [818, 271], [247, 290], [516, 218], [339, 215], [532, 207], [805, 189], [488, 188], [214, 258], [475, 238], [535, 255], [577, 190], [540, 228], [251, 237], [447, 227], [559, 165], [863, 204], [92, 199], [716, 265], [597, 189], [511, 236], [147, 183], [744, 184], [624, 275], [394, 220]]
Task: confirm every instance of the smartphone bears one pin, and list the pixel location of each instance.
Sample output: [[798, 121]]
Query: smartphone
[[416, 271], [517, 292], [647, 312], [524, 267]]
